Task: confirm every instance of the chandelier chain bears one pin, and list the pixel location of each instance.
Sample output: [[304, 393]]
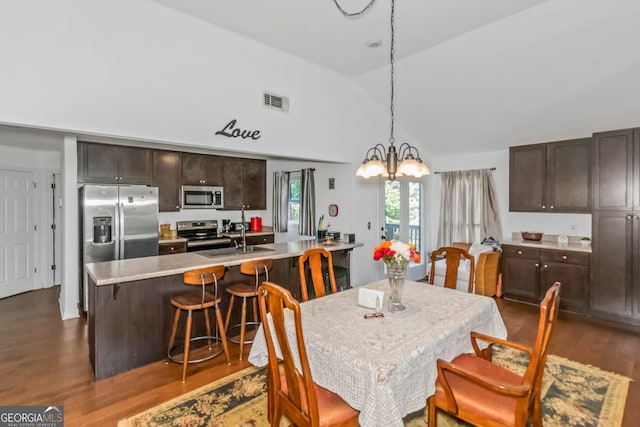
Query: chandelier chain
[[391, 138], [351, 14]]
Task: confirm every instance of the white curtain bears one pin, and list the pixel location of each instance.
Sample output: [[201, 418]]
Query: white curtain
[[307, 224], [468, 207], [280, 214]]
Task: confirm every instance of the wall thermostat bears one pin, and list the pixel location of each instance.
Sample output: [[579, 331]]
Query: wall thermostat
[[333, 210]]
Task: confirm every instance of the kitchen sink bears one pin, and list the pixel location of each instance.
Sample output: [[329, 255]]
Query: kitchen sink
[[233, 251]]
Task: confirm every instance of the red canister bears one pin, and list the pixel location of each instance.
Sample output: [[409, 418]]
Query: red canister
[[256, 223]]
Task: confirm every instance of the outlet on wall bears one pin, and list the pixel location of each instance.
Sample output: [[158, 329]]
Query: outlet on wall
[[572, 227]]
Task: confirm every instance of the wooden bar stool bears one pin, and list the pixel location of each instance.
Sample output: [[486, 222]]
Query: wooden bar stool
[[256, 268], [199, 300]]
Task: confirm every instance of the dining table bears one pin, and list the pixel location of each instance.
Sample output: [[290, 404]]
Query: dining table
[[385, 366]]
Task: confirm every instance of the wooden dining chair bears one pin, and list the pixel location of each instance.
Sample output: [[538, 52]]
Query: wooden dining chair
[[480, 392], [313, 258], [452, 256], [293, 393]]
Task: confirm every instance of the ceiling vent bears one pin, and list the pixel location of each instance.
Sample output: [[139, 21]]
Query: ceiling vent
[[276, 102]]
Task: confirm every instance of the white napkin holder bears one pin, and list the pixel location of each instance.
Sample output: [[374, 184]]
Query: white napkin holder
[[368, 297]]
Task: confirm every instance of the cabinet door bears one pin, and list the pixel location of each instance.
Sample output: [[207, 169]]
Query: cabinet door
[[233, 183], [528, 178], [255, 184], [611, 290], [98, 163], [213, 168], [191, 169], [135, 165], [569, 176], [613, 170], [167, 176], [571, 269], [521, 273]]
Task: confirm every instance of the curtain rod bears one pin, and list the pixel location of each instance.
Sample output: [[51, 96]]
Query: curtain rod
[[299, 170], [493, 168]]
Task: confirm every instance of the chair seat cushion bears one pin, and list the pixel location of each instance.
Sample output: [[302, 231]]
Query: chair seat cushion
[[475, 399], [332, 409]]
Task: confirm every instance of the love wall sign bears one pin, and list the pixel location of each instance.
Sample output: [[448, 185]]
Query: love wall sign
[[231, 131]]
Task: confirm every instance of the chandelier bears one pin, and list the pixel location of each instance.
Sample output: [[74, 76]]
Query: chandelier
[[378, 160]]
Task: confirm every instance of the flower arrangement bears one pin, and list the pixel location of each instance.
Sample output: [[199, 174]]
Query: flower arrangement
[[396, 254]]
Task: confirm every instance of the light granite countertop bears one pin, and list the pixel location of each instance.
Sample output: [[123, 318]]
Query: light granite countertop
[[110, 272], [549, 244]]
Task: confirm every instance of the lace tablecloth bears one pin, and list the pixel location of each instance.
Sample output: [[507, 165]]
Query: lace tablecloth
[[386, 367]]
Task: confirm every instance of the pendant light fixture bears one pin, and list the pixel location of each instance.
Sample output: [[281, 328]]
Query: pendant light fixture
[[379, 161]]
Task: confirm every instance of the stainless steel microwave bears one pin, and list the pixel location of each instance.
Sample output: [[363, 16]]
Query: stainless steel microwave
[[201, 197]]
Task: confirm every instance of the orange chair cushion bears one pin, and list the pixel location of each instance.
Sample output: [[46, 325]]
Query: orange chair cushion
[[331, 408], [472, 398]]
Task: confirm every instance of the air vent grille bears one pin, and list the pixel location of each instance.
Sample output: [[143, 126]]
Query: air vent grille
[[276, 102]]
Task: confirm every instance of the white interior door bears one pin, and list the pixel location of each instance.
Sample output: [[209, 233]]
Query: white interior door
[[404, 218], [17, 234]]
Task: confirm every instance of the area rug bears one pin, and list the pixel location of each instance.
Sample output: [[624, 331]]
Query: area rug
[[573, 394]]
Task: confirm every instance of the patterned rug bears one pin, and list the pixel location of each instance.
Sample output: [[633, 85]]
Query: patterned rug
[[573, 395]]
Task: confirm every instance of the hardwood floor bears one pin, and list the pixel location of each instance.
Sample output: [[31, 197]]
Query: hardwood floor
[[45, 361]]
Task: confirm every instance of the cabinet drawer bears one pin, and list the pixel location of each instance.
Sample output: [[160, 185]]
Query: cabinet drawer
[[172, 248], [566, 257], [520, 251]]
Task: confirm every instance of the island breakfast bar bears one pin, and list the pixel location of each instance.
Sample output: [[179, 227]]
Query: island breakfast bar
[[130, 314]]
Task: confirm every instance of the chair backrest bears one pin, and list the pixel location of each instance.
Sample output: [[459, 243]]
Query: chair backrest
[[203, 277], [548, 314], [314, 258], [453, 255], [257, 268], [299, 401]]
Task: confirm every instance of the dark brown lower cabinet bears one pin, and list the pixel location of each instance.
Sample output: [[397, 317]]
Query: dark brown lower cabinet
[[528, 272], [615, 282]]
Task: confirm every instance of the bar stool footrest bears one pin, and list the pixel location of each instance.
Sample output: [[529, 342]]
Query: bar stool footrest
[[236, 339], [214, 341]]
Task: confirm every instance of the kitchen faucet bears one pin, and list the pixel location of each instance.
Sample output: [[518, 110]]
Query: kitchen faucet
[[243, 231]]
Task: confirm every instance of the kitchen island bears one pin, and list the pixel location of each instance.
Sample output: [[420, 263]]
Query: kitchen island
[[130, 314]]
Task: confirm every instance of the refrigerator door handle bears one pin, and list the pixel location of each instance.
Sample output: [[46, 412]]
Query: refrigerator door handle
[[119, 232]]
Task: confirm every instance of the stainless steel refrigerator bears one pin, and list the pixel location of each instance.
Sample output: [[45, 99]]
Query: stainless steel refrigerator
[[116, 222]]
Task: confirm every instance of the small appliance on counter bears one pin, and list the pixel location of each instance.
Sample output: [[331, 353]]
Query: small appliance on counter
[[237, 226], [256, 223]]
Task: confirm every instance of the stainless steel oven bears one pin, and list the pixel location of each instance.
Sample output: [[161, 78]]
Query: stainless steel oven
[[201, 197], [202, 235]]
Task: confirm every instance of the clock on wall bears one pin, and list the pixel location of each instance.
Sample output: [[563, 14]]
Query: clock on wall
[[333, 210]]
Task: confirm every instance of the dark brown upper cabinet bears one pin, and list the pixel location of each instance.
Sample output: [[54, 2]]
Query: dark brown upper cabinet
[[245, 184], [202, 169], [616, 165], [114, 164], [167, 176], [551, 177]]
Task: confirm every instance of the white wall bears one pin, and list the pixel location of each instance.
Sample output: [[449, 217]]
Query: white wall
[[140, 71], [549, 223]]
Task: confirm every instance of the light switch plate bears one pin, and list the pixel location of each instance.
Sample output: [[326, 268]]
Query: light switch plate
[[367, 298]]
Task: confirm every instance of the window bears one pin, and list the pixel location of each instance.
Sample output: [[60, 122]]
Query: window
[[294, 197]]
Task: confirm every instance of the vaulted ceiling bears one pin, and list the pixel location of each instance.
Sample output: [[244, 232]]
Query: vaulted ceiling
[[470, 75]]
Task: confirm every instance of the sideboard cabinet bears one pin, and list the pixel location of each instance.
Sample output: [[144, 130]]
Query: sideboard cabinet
[[528, 272]]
